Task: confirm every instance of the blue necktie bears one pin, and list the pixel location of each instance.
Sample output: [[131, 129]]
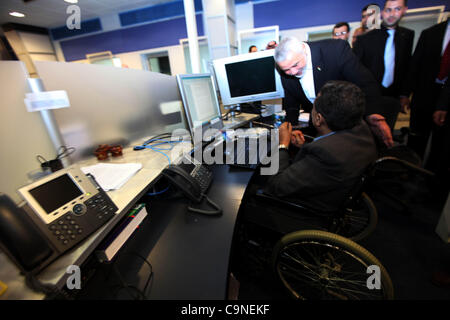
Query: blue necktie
[[389, 60]]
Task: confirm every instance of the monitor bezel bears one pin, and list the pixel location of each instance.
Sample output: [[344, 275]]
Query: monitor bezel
[[224, 88], [215, 123]]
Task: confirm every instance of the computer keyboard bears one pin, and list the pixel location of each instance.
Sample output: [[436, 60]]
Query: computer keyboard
[[247, 149]]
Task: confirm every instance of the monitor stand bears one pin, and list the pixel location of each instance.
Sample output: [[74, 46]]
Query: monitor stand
[[254, 107], [231, 111]]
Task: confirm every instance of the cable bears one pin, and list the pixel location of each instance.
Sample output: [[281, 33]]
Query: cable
[[162, 135], [51, 291], [154, 149], [218, 209], [124, 285], [158, 193]]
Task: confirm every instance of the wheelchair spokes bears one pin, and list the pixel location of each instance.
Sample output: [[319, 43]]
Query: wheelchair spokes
[[312, 267]]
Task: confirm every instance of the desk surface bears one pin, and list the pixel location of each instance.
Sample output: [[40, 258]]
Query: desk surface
[[124, 198], [205, 254], [189, 252]]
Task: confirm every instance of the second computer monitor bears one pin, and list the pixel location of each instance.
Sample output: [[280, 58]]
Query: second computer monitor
[[200, 102], [248, 77]]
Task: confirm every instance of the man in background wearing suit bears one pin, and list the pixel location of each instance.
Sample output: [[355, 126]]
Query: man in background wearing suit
[[341, 31], [428, 73], [306, 67], [386, 52], [324, 171]]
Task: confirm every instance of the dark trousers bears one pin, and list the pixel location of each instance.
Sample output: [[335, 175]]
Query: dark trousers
[[393, 104], [421, 125], [439, 158]]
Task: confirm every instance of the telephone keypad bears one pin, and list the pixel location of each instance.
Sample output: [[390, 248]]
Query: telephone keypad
[[203, 176], [71, 227]]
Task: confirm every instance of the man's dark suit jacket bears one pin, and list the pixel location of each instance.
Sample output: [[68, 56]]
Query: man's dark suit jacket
[[425, 65], [324, 171], [333, 60], [369, 48]]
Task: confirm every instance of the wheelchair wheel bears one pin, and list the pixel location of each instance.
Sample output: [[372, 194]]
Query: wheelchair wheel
[[359, 220], [320, 265]]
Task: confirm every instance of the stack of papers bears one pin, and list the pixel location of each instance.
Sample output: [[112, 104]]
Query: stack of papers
[[112, 176]]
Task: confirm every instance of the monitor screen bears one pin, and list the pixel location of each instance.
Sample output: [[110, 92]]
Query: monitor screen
[[248, 77], [200, 101], [251, 77], [56, 193]]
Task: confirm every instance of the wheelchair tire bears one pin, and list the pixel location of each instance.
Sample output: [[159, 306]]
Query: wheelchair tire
[[359, 221], [319, 265]]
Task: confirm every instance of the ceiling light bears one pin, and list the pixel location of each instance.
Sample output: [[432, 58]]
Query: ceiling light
[[17, 14], [71, 1]]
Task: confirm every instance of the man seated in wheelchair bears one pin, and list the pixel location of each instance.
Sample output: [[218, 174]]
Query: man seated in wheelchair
[[323, 171]]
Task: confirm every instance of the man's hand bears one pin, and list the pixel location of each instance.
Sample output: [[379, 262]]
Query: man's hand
[[284, 133], [405, 104], [380, 128], [297, 138], [439, 117]]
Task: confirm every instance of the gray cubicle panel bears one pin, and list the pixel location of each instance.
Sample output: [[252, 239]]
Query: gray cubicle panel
[[23, 135], [111, 105]]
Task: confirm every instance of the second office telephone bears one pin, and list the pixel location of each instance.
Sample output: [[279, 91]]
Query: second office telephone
[[193, 180]]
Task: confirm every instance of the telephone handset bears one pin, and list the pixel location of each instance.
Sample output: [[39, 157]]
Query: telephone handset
[[61, 211], [193, 180]]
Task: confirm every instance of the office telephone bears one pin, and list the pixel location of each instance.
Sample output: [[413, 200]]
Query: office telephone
[[193, 180], [62, 210]]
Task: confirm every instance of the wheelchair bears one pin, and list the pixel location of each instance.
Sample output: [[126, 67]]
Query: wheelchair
[[312, 254], [400, 183]]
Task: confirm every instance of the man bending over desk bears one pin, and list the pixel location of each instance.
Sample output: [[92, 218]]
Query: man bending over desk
[[324, 170]]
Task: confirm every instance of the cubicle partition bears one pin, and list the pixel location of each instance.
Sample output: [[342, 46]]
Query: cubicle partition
[[22, 134], [111, 105]]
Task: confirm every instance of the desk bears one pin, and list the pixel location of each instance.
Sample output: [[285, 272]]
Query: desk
[[189, 252], [124, 198], [239, 120]]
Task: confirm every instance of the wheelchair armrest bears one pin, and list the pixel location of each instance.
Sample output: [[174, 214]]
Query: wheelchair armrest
[[403, 163], [292, 205]]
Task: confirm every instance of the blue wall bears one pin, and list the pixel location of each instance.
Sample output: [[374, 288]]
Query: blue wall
[[149, 36], [294, 14], [287, 14]]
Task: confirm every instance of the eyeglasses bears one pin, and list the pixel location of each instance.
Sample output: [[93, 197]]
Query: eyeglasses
[[342, 33]]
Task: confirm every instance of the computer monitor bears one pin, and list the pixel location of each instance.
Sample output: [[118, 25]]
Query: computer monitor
[[200, 102], [248, 77]]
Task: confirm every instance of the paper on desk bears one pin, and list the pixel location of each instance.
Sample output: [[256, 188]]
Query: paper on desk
[[304, 117], [112, 176]]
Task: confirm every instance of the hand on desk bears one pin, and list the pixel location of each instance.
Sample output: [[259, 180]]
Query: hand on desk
[[287, 136], [284, 133], [297, 138]]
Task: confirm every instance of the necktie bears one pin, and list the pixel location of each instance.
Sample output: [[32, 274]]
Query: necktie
[[445, 64], [389, 60]]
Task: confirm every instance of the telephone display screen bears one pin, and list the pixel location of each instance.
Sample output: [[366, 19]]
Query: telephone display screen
[[56, 193]]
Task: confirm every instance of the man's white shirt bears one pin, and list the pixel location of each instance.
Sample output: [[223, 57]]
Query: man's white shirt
[[307, 78]]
